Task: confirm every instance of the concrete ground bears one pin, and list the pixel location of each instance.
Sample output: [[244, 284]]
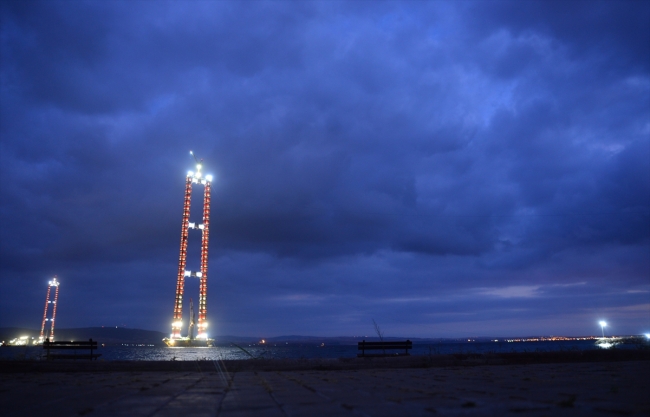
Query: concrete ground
[[564, 389]]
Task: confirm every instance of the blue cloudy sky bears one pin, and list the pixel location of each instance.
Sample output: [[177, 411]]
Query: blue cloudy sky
[[445, 168]]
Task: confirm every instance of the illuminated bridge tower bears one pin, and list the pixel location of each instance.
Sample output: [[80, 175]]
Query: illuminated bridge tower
[[53, 283], [193, 178]]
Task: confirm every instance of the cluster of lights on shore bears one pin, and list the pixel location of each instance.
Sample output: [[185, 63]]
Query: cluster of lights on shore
[[603, 324]]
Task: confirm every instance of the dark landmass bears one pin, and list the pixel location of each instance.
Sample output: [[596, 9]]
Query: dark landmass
[[8, 333], [109, 336]]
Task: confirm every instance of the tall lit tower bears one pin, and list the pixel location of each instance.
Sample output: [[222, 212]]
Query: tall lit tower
[[53, 283], [193, 178]]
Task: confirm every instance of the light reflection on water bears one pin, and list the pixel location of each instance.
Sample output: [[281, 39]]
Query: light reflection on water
[[295, 351]]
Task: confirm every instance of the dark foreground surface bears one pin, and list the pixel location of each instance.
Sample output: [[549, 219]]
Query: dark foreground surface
[[606, 383], [415, 361]]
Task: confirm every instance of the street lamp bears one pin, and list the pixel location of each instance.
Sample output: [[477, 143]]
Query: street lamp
[[602, 327]]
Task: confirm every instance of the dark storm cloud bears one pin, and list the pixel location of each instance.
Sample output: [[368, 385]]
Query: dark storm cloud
[[432, 165], [614, 33]]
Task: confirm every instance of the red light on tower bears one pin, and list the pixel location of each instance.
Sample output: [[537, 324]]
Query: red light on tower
[[53, 283], [193, 178]]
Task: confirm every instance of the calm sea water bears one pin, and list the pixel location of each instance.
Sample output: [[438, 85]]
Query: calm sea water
[[296, 351]]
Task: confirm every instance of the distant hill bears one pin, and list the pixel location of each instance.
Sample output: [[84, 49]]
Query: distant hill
[[8, 333], [330, 340], [106, 335], [113, 335]]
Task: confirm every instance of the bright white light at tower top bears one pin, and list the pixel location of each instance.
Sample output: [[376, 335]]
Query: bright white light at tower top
[[196, 177], [602, 324]]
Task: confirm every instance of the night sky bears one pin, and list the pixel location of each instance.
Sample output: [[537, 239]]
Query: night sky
[[445, 168]]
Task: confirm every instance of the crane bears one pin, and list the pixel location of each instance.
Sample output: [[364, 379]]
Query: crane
[[199, 162]]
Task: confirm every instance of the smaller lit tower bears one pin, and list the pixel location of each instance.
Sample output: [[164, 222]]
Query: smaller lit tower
[[190, 330], [53, 283]]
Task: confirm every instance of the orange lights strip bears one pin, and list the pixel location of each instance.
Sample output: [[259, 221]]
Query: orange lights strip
[[182, 259]]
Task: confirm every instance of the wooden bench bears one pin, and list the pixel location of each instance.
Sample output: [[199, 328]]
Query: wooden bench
[[384, 346], [89, 345]]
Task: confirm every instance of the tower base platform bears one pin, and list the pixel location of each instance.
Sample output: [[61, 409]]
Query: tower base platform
[[187, 342]]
